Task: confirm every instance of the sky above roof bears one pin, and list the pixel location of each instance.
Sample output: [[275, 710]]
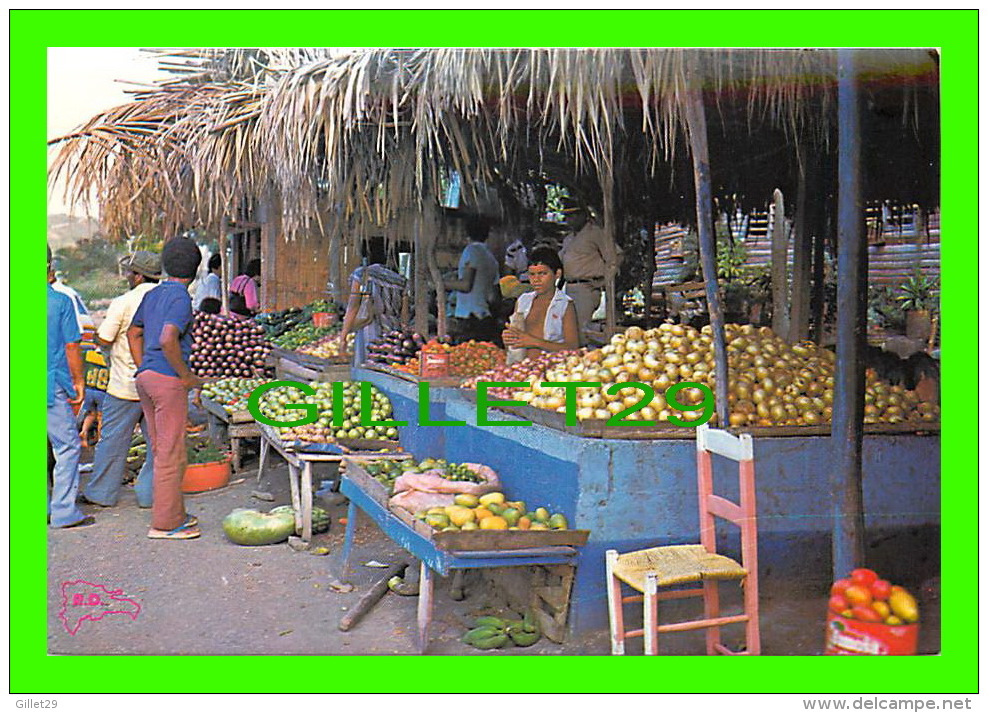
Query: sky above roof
[[82, 82]]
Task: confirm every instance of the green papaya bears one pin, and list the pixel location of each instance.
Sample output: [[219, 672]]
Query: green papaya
[[492, 642], [523, 638], [481, 633], [492, 621]]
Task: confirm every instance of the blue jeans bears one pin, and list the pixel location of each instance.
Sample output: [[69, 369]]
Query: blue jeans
[[64, 437], [110, 459]]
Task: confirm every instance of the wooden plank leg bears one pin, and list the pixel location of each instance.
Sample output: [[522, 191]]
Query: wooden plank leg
[[262, 458], [293, 478], [426, 582], [351, 528], [235, 444], [307, 501]]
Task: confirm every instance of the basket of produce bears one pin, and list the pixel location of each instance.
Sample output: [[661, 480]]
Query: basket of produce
[[868, 615], [278, 323], [227, 346], [207, 467], [228, 397], [394, 348], [492, 522], [774, 388], [339, 434]]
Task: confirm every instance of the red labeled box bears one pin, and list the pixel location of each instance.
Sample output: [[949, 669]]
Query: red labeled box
[[433, 364], [851, 637]]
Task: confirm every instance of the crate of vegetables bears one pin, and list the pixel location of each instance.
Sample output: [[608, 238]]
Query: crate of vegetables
[[227, 346], [492, 522], [868, 615], [376, 477], [328, 434]]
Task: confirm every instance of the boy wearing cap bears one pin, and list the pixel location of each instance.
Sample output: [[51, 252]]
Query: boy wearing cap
[[160, 338], [121, 405]]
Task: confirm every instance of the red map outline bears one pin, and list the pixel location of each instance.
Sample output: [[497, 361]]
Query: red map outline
[[113, 595]]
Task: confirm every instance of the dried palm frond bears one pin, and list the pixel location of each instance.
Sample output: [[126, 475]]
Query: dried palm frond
[[367, 134]]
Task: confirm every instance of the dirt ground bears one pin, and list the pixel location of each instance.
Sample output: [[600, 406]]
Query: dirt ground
[[209, 596]]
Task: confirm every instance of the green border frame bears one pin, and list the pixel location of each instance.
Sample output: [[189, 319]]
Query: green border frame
[[955, 32]]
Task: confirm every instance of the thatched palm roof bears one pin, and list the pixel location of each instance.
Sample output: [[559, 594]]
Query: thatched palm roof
[[365, 134]]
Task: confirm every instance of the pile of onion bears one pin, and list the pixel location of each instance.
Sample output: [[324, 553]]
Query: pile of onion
[[227, 346], [771, 383], [530, 370]]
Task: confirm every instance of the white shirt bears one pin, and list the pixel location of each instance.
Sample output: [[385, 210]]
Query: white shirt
[[486, 274], [82, 316], [114, 329], [209, 286], [552, 327]]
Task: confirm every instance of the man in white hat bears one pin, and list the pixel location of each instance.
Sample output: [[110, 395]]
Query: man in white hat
[[121, 405]]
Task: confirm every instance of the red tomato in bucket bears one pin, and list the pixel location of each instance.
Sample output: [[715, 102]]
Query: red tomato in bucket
[[863, 576], [858, 595], [841, 585], [837, 604], [866, 613], [881, 589]]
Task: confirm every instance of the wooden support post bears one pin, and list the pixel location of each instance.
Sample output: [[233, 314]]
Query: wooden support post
[[697, 128], [419, 285], [852, 271], [372, 597], [435, 274], [650, 271], [780, 282], [799, 318], [224, 269]]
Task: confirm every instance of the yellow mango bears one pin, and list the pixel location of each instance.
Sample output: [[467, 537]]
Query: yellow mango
[[494, 522], [488, 498], [459, 516]]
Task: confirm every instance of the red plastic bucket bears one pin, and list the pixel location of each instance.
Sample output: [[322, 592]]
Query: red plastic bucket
[[200, 477], [850, 637]]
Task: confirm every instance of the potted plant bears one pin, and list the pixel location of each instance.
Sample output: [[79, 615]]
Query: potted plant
[[208, 467], [918, 297]]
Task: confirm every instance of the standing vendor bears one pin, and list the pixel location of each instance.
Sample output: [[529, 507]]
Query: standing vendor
[[377, 295], [588, 255], [545, 318], [244, 297], [476, 285]]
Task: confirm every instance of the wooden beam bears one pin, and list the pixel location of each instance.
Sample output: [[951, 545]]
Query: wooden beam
[[780, 282], [852, 271], [697, 128], [799, 317]]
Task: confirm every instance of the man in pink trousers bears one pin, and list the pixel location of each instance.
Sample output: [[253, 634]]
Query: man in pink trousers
[[160, 338]]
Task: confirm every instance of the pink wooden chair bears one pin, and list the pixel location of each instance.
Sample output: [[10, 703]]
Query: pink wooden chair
[[660, 567]]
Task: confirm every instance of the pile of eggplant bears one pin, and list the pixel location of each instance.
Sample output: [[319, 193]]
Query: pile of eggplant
[[394, 348]]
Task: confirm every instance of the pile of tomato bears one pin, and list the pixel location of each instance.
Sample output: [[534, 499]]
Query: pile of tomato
[[866, 597]]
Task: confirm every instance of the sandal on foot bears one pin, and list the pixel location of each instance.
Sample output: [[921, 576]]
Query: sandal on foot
[[185, 531]]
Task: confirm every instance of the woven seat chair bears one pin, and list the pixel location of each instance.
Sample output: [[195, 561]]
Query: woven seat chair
[[646, 571]]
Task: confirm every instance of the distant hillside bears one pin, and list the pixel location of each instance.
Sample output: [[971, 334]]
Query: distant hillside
[[65, 230]]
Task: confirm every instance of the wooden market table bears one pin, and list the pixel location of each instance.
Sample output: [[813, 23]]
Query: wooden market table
[[236, 426], [300, 472], [295, 366], [438, 553]]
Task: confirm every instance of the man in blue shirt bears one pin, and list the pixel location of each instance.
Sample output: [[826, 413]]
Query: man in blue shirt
[[66, 390], [160, 338]]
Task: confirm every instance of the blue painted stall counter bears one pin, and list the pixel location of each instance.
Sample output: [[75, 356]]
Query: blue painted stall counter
[[639, 493]]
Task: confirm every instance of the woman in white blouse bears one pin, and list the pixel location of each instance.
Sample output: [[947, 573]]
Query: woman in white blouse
[[545, 318]]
